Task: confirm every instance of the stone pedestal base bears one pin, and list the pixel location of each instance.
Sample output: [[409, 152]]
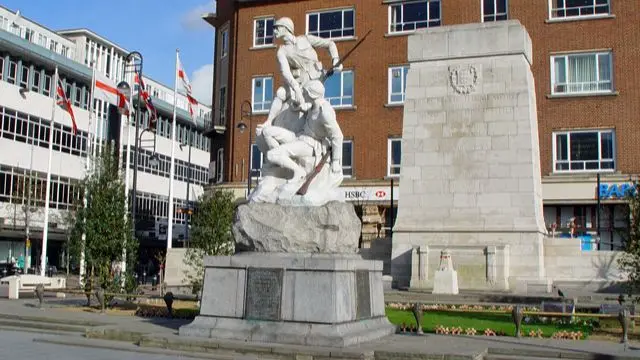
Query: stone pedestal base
[[445, 282], [304, 299]]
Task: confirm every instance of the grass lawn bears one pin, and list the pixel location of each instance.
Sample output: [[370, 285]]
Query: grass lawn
[[479, 321]]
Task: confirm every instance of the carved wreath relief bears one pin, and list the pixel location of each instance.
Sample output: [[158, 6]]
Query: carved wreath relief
[[463, 78]]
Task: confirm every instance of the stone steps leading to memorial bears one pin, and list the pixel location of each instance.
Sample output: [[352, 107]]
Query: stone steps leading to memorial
[[42, 325]]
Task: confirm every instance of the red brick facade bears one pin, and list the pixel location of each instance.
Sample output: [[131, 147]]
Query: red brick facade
[[371, 122]]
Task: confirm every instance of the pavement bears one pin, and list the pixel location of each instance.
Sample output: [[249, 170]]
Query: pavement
[[57, 327]]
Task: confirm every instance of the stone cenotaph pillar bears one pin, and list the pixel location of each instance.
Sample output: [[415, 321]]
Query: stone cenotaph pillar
[[470, 179]]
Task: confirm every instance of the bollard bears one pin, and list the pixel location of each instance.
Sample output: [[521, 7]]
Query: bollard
[[624, 318], [100, 297], [40, 294], [168, 300], [417, 313], [517, 313]]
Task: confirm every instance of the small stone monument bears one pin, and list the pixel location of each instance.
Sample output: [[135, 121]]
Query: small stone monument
[[446, 278], [296, 277]]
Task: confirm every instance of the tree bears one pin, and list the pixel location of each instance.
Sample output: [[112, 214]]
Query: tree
[[629, 261], [210, 233], [105, 223]]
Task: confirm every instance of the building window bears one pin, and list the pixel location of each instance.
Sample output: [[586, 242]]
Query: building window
[[262, 93], [13, 72], [28, 34], [220, 166], [1, 68], [263, 32], [224, 43], [581, 73], [42, 40], [53, 46], [36, 81], [334, 24], [65, 51], [24, 77], [394, 152], [584, 150], [409, 16], [347, 158], [397, 84], [339, 89], [46, 89], [223, 105], [494, 10], [256, 161], [563, 9]]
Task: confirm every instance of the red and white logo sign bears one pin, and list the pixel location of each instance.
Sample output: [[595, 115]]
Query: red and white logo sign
[[381, 194]]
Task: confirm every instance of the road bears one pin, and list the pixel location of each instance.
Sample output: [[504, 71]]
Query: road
[[20, 345]]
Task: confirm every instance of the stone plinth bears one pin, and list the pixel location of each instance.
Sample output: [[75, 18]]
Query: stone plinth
[[309, 299], [470, 177], [331, 228]]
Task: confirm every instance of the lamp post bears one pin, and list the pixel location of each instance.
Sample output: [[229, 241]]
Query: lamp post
[[246, 111], [136, 65]]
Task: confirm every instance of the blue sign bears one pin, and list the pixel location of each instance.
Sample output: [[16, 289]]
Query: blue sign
[[616, 191]]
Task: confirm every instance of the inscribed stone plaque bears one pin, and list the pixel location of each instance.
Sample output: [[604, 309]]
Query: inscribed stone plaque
[[363, 295], [264, 294]]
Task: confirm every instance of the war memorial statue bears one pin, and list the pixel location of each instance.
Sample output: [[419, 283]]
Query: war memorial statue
[[296, 276]]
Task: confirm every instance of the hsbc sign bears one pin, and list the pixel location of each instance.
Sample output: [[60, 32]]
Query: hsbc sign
[[370, 193]]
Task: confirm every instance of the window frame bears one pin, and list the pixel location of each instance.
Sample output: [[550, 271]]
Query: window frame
[[566, 57], [1, 67], [251, 169], [255, 32], [224, 43], [350, 167], [483, 14], [403, 76], [574, 17], [265, 108], [13, 80], [600, 159], [222, 104], [390, 164], [342, 10], [402, 4], [342, 96]]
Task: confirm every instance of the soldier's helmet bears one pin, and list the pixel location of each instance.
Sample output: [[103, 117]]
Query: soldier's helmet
[[284, 22], [314, 88]]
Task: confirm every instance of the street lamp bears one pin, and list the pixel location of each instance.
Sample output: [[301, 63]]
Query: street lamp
[[136, 65], [246, 111]]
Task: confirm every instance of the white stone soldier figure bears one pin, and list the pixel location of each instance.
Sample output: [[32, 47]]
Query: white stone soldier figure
[[320, 134], [299, 64]]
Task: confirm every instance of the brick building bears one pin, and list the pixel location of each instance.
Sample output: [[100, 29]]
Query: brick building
[[585, 55]]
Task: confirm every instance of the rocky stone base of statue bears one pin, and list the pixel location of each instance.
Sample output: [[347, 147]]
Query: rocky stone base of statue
[[263, 227], [302, 299]]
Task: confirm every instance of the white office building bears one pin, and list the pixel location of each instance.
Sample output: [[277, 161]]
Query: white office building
[[29, 54]]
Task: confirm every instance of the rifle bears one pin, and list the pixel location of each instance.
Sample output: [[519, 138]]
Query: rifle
[[331, 71], [305, 186]]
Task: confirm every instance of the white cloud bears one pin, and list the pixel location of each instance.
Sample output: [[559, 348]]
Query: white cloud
[[202, 84], [192, 19]]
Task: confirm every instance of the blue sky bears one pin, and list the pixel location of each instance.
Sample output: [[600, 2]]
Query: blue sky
[[153, 27]]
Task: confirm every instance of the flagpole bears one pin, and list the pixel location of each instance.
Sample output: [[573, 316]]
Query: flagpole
[[87, 170], [173, 156], [45, 231]]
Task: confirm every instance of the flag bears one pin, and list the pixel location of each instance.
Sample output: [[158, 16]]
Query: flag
[[153, 114], [182, 75], [66, 104], [106, 90]]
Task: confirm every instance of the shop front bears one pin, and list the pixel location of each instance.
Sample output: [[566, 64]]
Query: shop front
[[597, 213]]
